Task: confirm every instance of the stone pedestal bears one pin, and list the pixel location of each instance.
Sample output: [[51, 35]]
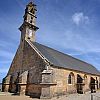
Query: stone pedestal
[[47, 83], [46, 91]]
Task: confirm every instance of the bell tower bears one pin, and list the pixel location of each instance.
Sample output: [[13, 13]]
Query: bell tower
[[28, 28]]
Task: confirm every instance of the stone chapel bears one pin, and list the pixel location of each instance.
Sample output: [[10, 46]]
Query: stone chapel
[[42, 72]]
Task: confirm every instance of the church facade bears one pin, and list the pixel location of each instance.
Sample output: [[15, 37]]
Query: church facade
[[40, 71]]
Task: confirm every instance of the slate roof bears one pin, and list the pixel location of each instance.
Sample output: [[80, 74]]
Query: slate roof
[[65, 61]]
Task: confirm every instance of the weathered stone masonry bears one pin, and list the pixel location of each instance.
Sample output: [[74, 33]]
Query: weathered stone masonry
[[31, 62], [40, 71]]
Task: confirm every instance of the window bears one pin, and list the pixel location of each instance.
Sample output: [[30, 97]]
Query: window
[[30, 21], [31, 17], [71, 78], [30, 32], [79, 79]]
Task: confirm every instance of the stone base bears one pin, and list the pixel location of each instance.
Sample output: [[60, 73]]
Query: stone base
[[46, 91]]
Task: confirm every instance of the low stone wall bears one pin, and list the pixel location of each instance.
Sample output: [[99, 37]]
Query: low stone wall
[[60, 76]]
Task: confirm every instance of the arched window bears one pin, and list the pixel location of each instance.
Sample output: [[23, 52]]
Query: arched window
[[71, 78], [79, 79]]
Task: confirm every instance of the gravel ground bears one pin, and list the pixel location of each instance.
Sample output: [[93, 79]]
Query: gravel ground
[[87, 96]]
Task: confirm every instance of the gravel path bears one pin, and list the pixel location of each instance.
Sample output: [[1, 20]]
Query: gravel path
[[87, 96]]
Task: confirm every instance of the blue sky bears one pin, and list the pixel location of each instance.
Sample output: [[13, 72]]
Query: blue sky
[[70, 26]]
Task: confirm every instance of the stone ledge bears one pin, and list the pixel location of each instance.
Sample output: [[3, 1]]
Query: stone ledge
[[47, 72], [22, 83], [5, 84], [42, 97], [48, 83]]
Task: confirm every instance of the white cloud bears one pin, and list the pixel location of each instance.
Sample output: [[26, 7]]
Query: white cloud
[[79, 18], [79, 42]]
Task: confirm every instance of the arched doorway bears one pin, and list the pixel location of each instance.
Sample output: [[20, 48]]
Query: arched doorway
[[92, 84], [79, 84]]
